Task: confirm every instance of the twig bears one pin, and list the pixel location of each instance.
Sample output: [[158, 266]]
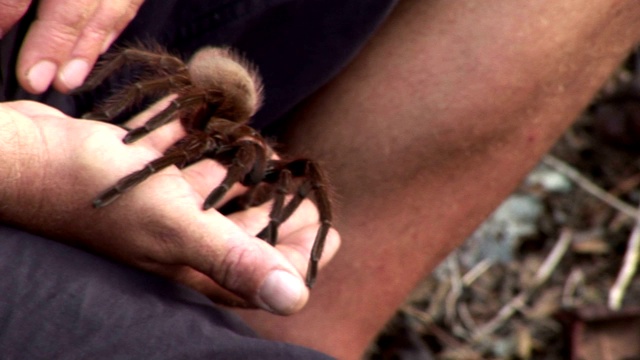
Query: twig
[[432, 327], [628, 270], [465, 317], [519, 301], [456, 289], [472, 275], [589, 186], [574, 280], [630, 262]]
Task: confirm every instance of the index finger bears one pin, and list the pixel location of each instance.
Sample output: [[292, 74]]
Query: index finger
[[50, 39], [109, 19]]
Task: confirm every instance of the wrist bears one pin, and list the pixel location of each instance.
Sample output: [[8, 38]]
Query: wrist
[[22, 166]]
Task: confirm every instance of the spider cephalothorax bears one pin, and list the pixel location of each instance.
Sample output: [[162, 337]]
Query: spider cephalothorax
[[216, 93]]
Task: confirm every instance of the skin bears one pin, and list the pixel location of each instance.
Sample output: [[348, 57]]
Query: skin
[[460, 89], [465, 88], [65, 40], [55, 165]]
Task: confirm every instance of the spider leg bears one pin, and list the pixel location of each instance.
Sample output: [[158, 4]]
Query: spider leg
[[247, 163], [317, 182], [133, 94], [135, 178], [112, 62], [314, 182], [276, 216], [165, 116], [182, 153]]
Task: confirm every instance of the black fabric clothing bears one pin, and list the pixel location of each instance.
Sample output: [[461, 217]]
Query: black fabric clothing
[[58, 302], [297, 45]]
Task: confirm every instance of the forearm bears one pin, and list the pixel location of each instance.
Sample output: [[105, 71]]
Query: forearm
[[431, 127]]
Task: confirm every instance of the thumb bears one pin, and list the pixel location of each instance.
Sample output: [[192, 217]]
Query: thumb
[[247, 266]]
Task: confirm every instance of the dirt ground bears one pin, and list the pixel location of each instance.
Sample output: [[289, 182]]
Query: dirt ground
[[551, 275]]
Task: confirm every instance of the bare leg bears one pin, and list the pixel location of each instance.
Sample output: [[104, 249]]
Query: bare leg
[[431, 127]]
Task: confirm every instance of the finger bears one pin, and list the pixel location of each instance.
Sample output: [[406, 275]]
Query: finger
[[205, 175], [296, 247], [34, 109], [121, 24], [108, 20], [50, 40], [12, 11], [178, 232], [88, 45], [254, 219], [141, 118], [296, 235], [163, 137], [245, 265]]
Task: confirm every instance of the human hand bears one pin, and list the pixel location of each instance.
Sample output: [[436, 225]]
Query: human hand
[[55, 165], [66, 38]]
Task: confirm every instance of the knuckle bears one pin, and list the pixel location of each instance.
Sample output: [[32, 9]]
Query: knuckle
[[69, 18], [59, 35]]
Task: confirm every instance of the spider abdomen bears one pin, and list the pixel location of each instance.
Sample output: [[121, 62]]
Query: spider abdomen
[[224, 73]]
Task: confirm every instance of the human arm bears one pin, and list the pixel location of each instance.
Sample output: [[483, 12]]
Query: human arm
[[54, 166]]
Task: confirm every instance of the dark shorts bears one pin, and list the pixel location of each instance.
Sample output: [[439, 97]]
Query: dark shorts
[[57, 302]]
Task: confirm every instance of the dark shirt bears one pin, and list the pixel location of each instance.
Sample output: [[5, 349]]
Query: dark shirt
[[297, 46]]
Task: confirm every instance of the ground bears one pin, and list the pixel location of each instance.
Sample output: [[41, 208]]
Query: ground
[[535, 281]]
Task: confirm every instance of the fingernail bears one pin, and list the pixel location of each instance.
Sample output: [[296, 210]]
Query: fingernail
[[74, 73], [281, 292], [41, 75]]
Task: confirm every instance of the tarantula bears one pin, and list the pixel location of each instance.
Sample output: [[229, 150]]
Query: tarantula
[[216, 94]]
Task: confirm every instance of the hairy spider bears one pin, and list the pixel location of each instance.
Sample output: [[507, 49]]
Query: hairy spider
[[216, 94]]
